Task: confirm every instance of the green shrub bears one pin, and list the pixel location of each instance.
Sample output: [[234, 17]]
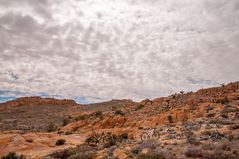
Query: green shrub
[[60, 142], [141, 106], [91, 139], [80, 117], [65, 122]]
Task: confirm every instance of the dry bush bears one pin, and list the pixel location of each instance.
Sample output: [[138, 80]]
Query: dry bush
[[98, 113], [223, 101], [51, 127], [13, 155], [141, 106], [85, 155], [223, 150], [234, 127], [109, 157], [220, 155], [65, 121], [150, 144], [119, 112], [224, 115], [194, 152], [209, 108], [111, 142], [210, 115], [122, 137], [151, 156], [156, 154], [214, 135], [81, 117], [224, 121], [60, 142], [191, 138], [170, 118], [80, 152]]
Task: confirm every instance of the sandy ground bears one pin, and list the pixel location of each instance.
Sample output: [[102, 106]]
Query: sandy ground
[[36, 145]]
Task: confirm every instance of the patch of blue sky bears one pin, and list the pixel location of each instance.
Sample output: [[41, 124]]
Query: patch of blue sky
[[201, 81], [5, 99]]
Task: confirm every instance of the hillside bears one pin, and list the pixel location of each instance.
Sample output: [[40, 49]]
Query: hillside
[[36, 113], [202, 124]]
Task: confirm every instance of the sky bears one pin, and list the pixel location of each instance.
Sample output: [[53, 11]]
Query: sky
[[98, 50]]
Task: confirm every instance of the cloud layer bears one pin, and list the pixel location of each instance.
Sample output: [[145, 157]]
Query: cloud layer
[[96, 50]]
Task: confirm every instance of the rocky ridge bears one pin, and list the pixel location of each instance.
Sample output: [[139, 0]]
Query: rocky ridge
[[205, 122]]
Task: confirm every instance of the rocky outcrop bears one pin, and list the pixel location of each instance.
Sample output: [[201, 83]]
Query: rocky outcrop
[[38, 101]]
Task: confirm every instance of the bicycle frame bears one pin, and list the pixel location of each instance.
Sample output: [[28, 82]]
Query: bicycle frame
[[150, 134]]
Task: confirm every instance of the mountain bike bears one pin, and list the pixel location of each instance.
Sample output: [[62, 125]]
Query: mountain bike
[[97, 138], [150, 134]]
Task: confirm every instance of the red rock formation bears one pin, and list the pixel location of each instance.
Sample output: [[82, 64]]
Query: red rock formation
[[38, 101]]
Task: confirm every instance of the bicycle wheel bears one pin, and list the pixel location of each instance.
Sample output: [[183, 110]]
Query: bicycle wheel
[[107, 138], [144, 136], [155, 135]]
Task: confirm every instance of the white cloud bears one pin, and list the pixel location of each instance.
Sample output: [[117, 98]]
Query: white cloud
[[117, 49]]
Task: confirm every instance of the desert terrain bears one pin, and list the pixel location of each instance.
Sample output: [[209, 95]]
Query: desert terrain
[[202, 124]]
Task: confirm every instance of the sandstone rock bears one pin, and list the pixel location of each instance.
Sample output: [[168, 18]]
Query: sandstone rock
[[145, 151], [233, 96], [120, 154], [38, 101]]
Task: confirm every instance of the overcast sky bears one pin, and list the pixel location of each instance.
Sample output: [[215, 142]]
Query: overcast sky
[[97, 50]]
